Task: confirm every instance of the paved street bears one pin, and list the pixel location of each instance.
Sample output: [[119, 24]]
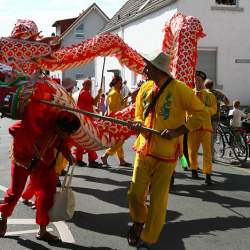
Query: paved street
[[199, 218]]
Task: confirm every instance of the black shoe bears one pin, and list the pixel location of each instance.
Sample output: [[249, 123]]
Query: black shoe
[[195, 174], [94, 164], [81, 163], [208, 180], [185, 168]]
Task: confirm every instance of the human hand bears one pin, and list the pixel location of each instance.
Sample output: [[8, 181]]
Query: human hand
[[172, 133], [169, 134]]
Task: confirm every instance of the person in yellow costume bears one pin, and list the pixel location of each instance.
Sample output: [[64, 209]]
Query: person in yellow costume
[[161, 104], [115, 103], [203, 135]]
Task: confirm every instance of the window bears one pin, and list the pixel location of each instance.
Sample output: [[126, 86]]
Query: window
[[79, 30], [79, 76], [227, 2]]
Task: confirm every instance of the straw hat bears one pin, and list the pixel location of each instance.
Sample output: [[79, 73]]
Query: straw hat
[[159, 60]]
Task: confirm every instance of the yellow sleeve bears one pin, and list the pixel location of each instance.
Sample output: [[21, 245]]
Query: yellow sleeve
[[197, 114], [212, 104], [138, 107]]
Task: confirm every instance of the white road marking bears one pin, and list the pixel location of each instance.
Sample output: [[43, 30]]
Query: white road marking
[[21, 221], [65, 233], [26, 232], [61, 226]]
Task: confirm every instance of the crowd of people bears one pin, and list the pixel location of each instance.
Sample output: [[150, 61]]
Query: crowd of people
[[162, 103]]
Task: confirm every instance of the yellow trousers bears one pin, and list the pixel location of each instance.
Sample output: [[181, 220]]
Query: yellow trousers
[[195, 139], [118, 149], [61, 163], [148, 170]]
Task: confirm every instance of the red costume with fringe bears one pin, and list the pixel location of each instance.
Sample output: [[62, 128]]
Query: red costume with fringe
[[37, 148]]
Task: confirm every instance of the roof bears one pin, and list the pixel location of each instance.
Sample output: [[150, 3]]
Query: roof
[[81, 16], [134, 9], [64, 23], [58, 22]]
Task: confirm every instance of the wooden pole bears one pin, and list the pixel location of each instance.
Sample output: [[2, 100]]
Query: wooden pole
[[107, 118], [102, 78]]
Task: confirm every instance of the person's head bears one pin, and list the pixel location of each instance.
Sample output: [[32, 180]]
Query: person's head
[[66, 123], [236, 104], [125, 82], [200, 78], [209, 84], [87, 85], [69, 84], [156, 66], [116, 82], [103, 96]]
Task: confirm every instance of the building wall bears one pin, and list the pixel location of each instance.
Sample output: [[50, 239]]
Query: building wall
[[144, 35], [93, 23], [228, 33]]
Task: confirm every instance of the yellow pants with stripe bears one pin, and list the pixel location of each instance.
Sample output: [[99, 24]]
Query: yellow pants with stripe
[[195, 139], [148, 170], [118, 149]]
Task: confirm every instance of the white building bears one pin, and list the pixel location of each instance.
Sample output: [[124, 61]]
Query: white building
[[224, 54], [75, 30]]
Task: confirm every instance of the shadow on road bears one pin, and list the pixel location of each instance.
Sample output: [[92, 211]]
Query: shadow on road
[[29, 244], [110, 224], [103, 180], [174, 232], [231, 182], [117, 197]]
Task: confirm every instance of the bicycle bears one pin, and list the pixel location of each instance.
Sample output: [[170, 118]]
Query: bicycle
[[231, 143]]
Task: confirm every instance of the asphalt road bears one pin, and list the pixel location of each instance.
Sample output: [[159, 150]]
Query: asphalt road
[[199, 218]]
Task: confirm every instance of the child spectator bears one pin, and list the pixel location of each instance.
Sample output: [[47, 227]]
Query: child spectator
[[102, 104], [236, 115]]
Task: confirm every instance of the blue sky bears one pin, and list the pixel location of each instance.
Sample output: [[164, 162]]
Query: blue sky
[[46, 12]]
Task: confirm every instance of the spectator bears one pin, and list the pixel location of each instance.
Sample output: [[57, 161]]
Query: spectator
[[102, 104], [236, 115], [125, 90], [69, 85]]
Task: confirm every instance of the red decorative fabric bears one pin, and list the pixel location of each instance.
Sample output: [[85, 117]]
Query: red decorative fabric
[[24, 29], [180, 42]]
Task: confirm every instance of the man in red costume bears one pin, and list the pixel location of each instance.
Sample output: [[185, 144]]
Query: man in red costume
[[86, 102], [34, 154]]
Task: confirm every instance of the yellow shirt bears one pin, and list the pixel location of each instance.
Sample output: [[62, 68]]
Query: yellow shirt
[[210, 102], [169, 113], [115, 101]]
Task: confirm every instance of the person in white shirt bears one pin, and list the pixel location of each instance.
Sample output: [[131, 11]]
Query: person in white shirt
[[236, 114]]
